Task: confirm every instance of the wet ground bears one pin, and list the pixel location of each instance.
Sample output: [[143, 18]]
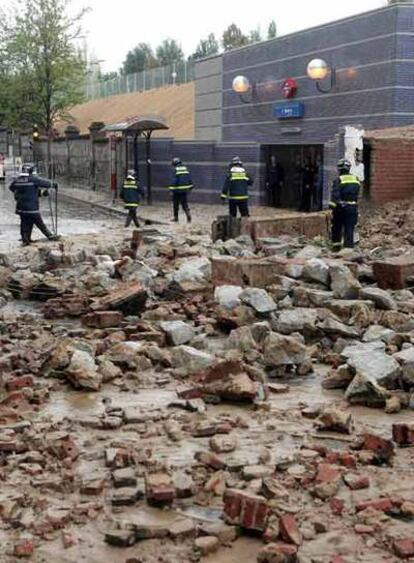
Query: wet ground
[[73, 219], [280, 429]]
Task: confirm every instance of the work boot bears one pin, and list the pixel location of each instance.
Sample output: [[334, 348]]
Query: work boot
[[188, 217], [175, 220], [26, 243], [54, 237]]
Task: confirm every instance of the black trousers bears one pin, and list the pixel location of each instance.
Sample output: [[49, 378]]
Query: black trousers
[[132, 216], [180, 199], [344, 221], [239, 204], [306, 199], [28, 221], [275, 194]]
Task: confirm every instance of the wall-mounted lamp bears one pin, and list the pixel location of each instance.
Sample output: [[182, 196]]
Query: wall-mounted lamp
[[244, 88], [318, 70]]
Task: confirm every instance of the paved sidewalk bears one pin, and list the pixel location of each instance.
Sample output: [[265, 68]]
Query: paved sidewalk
[[160, 212]]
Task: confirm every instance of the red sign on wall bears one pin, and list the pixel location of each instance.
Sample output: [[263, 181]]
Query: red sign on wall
[[289, 88]]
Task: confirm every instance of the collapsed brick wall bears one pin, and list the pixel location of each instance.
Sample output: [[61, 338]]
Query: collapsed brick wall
[[392, 169]]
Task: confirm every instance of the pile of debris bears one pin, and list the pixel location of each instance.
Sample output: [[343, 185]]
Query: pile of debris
[[188, 393]]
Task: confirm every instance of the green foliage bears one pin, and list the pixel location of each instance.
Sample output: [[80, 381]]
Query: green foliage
[[255, 36], [45, 73], [138, 59], [233, 38], [272, 30], [169, 52], [206, 47]]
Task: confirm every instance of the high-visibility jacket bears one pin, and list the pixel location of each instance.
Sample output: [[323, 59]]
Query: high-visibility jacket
[[181, 180], [236, 184], [131, 193], [345, 191], [27, 188]]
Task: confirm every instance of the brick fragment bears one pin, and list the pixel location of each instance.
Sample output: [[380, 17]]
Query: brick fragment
[[246, 510], [404, 549], [403, 434], [289, 530]]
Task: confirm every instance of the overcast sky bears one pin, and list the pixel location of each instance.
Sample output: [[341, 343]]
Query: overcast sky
[[115, 27]]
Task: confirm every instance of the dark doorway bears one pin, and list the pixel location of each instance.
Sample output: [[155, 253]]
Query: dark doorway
[[294, 176], [367, 154]]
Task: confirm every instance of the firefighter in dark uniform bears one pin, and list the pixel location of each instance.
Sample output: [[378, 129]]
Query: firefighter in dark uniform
[[344, 205], [27, 188], [131, 196], [181, 185], [236, 188]]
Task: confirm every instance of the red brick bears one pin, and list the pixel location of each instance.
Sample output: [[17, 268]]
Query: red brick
[[394, 272], [289, 530], [327, 473], [382, 448], [24, 548], [103, 319], [19, 382], [403, 434], [211, 460], [245, 510], [159, 488], [337, 559], [382, 505], [337, 506], [357, 482], [404, 549]]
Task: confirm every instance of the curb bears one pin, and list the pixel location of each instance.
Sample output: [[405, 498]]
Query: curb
[[106, 208]]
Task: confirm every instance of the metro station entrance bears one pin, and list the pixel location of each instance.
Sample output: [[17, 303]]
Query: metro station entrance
[[294, 176]]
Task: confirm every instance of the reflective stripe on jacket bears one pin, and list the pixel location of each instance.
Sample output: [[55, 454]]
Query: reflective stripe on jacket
[[130, 193], [236, 184], [345, 191], [181, 180]]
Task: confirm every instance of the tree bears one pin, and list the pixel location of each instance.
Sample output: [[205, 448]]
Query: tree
[[233, 38], [272, 30], [138, 59], [255, 36], [206, 47], [46, 74], [169, 52]]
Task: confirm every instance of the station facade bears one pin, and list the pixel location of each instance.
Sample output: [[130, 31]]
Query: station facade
[[372, 58]]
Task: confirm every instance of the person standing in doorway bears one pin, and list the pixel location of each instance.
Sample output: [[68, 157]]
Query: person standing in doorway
[[236, 188], [308, 186], [274, 181], [181, 185]]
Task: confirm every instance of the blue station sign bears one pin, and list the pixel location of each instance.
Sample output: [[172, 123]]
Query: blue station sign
[[289, 110]]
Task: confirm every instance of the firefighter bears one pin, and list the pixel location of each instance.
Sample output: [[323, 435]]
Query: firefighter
[[131, 196], [181, 185], [236, 188], [344, 205], [27, 188]]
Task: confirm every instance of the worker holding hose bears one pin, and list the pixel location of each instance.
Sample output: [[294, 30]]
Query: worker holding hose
[[27, 188]]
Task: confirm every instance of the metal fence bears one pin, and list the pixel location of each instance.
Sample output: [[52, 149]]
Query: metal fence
[[177, 73]]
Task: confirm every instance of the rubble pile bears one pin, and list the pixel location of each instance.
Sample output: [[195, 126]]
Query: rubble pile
[[156, 405]]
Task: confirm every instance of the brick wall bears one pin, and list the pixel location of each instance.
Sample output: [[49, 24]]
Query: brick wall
[[392, 169]]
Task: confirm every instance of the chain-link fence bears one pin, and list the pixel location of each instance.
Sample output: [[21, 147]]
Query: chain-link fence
[[177, 73]]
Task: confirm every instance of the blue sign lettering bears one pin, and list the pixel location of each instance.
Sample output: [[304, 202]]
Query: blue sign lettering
[[292, 110]]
